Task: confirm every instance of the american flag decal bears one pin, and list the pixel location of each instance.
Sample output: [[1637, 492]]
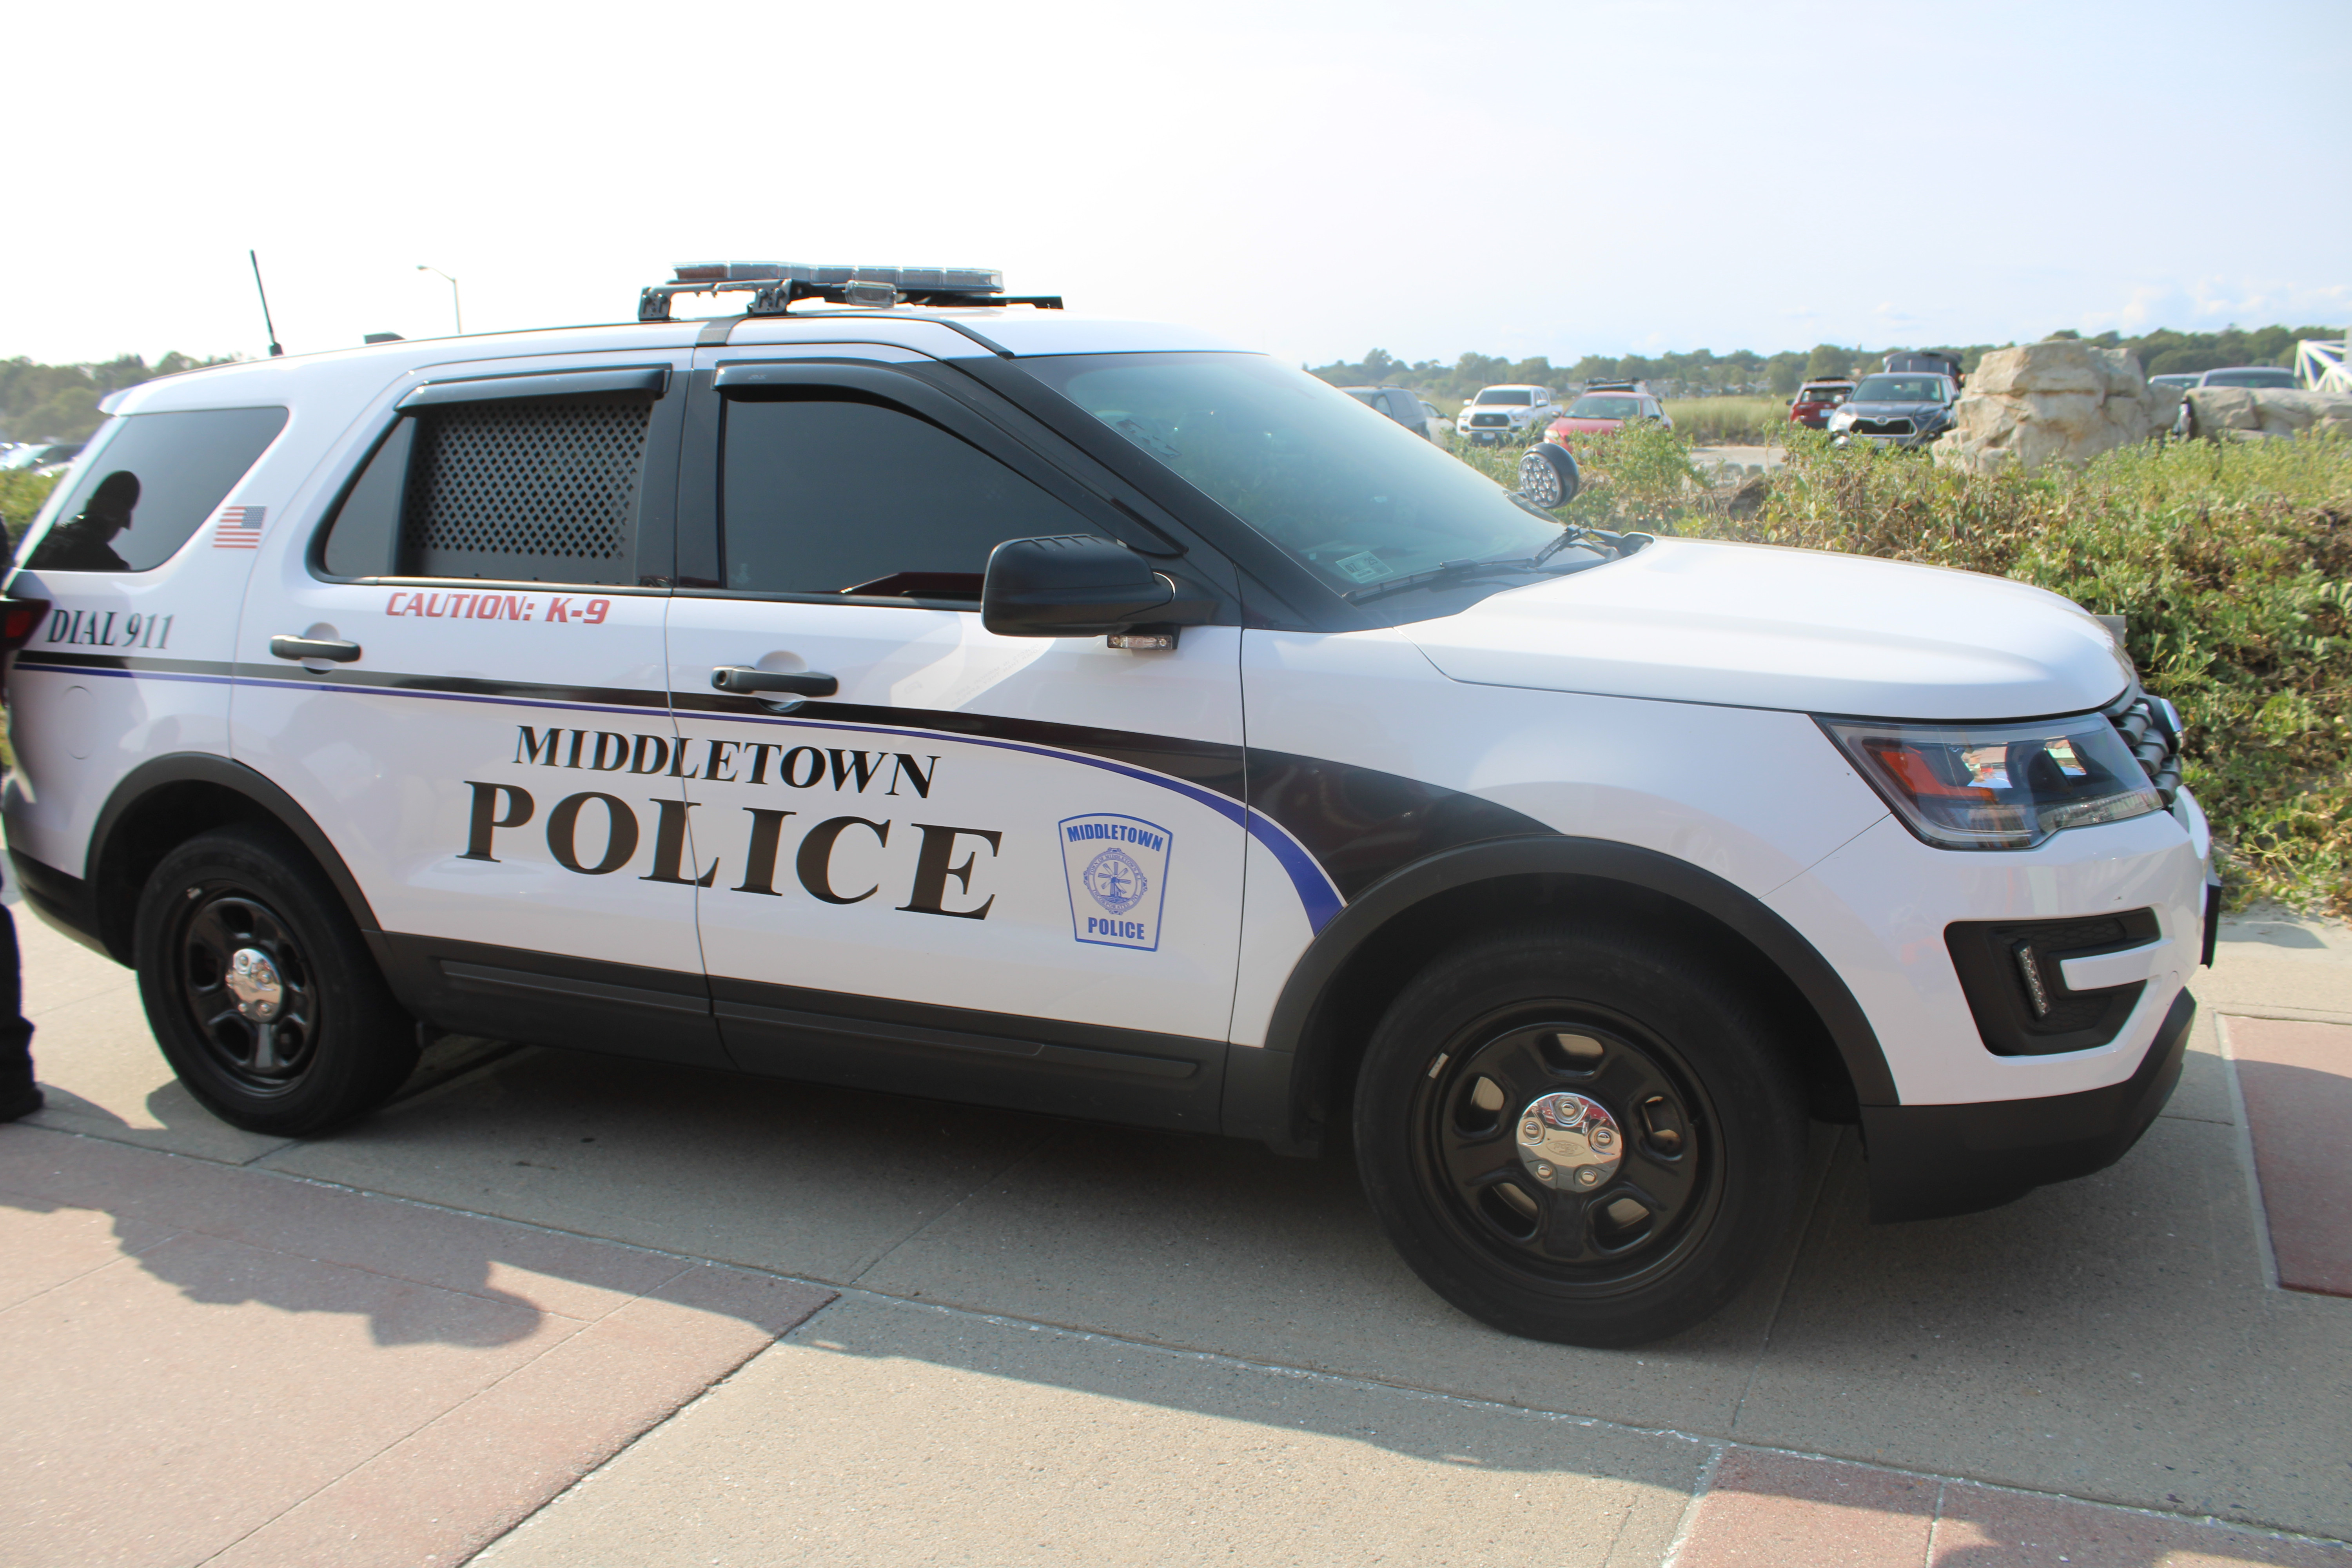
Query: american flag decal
[[237, 528]]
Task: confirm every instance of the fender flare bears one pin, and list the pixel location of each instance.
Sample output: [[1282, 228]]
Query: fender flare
[[1267, 1088], [103, 864]]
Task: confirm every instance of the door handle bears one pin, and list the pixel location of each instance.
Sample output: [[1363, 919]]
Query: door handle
[[745, 681], [333, 652]]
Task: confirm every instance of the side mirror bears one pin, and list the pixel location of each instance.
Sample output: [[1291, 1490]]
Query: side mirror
[[1069, 585]]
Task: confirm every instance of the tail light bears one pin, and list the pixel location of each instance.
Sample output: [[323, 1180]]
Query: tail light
[[19, 619]]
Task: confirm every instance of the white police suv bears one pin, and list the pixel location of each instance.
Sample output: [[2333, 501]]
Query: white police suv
[[902, 685]]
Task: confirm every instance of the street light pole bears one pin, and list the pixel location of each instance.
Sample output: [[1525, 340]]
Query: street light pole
[[455, 308]]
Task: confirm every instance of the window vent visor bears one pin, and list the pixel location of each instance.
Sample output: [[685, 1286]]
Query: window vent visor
[[648, 382], [526, 490]]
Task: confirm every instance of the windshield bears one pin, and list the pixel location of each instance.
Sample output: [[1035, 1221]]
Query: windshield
[[1516, 399], [1361, 501], [2251, 378], [1604, 408], [1822, 394], [1361, 393], [1900, 389]]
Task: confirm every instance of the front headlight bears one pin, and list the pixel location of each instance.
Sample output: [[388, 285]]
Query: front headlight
[[1999, 786], [1839, 418]]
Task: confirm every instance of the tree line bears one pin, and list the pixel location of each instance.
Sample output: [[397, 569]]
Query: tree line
[[59, 402], [1701, 373]]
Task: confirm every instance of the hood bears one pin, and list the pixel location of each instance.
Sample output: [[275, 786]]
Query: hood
[[1758, 625]]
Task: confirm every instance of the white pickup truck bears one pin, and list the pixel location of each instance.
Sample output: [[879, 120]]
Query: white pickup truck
[[1500, 413]]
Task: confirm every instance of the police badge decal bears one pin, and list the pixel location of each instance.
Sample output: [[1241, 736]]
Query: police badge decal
[[1118, 870]]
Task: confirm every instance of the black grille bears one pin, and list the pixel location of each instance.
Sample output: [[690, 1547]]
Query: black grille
[[2009, 972], [526, 490], [1882, 427], [2147, 730]]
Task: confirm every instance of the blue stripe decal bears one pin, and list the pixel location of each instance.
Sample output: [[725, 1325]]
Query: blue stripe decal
[[1316, 894]]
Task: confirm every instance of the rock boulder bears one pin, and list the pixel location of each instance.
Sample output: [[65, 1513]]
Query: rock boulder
[[2244, 413], [2060, 400]]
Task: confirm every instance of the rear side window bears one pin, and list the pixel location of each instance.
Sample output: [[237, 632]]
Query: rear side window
[[825, 492], [518, 489], [154, 481]]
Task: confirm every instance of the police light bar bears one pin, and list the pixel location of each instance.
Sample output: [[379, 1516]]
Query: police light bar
[[775, 286]]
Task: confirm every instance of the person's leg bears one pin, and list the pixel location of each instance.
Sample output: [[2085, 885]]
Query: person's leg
[[19, 1095]]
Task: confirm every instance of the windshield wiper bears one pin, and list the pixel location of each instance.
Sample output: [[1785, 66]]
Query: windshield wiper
[[1568, 537], [1447, 571], [1444, 571]]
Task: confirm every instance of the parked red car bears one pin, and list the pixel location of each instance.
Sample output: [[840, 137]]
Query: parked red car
[[1816, 401], [1603, 409]]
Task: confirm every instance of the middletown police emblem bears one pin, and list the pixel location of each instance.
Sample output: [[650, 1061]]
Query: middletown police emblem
[[1118, 870]]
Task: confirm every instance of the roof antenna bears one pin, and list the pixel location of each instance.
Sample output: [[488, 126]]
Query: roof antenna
[[274, 350]]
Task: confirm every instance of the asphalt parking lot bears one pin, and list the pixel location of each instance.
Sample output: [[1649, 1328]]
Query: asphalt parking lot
[[553, 1308]]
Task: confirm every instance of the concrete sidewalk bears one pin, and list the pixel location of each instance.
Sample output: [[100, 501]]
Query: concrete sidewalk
[[898, 1331]]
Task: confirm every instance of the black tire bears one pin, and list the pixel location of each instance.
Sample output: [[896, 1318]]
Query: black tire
[[1708, 1125], [333, 1044], [1548, 475]]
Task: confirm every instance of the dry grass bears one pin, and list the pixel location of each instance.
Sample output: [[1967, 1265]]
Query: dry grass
[[1729, 421]]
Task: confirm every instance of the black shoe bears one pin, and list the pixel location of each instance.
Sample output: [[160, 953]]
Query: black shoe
[[19, 1099]]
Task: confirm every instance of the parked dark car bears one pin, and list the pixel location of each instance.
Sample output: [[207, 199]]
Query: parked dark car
[[1907, 410], [1817, 400], [1924, 361], [1401, 406]]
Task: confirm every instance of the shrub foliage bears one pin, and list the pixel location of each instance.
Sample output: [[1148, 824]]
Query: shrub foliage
[[21, 495]]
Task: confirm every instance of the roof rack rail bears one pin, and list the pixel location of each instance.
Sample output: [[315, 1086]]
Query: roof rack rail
[[776, 286]]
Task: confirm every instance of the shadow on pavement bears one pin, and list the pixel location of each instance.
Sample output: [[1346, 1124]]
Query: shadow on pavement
[[2080, 1341]]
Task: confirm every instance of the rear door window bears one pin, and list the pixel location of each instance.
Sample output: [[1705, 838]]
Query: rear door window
[[520, 490], [151, 484]]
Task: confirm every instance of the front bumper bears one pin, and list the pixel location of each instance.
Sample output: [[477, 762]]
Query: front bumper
[[1919, 435], [1930, 1161]]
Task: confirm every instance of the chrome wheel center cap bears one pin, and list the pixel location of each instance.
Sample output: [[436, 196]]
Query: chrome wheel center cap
[[1570, 1142], [253, 981]]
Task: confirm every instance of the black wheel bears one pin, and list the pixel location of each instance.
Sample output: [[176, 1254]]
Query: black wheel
[[1578, 1134], [1548, 477], [261, 992]]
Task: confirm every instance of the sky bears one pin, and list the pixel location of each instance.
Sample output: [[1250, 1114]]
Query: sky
[[1311, 179]]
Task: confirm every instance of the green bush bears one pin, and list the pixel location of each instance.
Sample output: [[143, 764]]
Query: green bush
[[2233, 565], [21, 495], [1637, 478]]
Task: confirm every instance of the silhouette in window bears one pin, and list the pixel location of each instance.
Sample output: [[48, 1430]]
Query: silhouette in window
[[86, 544]]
